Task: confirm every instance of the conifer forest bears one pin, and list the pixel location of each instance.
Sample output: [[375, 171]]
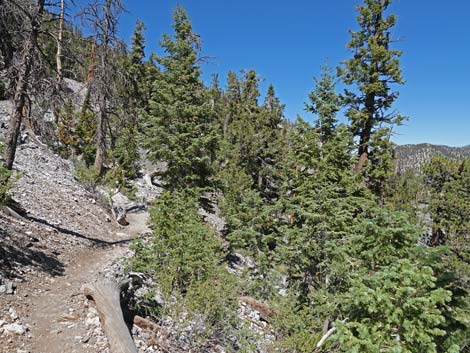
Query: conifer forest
[[153, 210]]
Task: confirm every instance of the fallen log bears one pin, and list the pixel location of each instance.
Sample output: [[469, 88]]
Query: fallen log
[[106, 296], [145, 324], [265, 312]]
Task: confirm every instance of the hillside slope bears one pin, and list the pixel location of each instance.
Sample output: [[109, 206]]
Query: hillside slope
[[415, 156], [67, 237]]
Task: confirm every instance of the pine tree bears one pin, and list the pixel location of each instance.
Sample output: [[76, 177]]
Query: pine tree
[[321, 199], [325, 103], [178, 128], [253, 131], [371, 72], [273, 144], [134, 96], [394, 298], [449, 207], [136, 58]]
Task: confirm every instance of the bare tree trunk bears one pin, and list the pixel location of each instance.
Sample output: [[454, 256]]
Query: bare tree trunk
[[101, 138], [89, 80], [60, 37], [107, 298], [103, 95], [23, 78]]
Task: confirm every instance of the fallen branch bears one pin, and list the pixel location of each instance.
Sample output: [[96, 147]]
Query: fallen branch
[[145, 324], [325, 336], [328, 334], [106, 295], [265, 312]]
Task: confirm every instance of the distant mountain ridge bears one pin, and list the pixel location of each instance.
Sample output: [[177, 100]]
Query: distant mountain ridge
[[415, 156]]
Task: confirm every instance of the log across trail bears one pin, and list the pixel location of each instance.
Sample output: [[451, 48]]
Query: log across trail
[[106, 294]]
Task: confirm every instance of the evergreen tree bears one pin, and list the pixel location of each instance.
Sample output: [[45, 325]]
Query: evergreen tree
[[178, 128], [395, 298], [371, 72], [322, 199], [136, 60], [134, 94], [405, 192], [325, 103], [253, 131]]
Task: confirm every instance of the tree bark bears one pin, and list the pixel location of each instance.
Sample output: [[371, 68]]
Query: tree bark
[[107, 298], [365, 135], [23, 78], [101, 137], [103, 94], [59, 43]]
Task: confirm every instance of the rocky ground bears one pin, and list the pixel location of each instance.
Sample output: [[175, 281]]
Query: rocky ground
[[67, 237]]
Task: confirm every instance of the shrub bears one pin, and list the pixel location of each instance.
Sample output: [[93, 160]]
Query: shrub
[[5, 184], [5, 181], [87, 176], [185, 256]]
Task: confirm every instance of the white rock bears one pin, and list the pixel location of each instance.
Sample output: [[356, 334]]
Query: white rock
[[16, 329], [92, 321], [92, 313], [13, 313]]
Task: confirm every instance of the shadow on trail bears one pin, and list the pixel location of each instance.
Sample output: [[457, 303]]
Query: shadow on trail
[[96, 242], [12, 255]]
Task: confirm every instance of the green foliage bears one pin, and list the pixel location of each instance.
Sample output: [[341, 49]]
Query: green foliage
[[66, 129], [397, 308], [178, 127], [449, 207], [126, 153], [394, 298], [183, 250], [449, 184], [296, 324], [325, 103], [213, 304], [86, 130], [185, 255], [370, 73], [322, 200], [5, 184], [5, 180], [405, 192], [88, 176], [290, 197], [252, 132]]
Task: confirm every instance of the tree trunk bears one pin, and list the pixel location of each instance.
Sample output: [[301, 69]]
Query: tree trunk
[[107, 298], [366, 132], [101, 138], [59, 43], [23, 78], [102, 116]]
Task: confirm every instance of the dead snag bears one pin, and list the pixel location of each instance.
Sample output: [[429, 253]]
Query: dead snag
[[106, 295]]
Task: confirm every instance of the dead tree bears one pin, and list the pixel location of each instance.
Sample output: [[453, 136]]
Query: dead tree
[[60, 38], [103, 18], [22, 81], [106, 296]]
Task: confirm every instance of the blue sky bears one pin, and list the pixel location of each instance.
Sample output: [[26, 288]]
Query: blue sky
[[286, 42]]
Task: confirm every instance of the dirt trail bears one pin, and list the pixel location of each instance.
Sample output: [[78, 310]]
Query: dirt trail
[[56, 311]]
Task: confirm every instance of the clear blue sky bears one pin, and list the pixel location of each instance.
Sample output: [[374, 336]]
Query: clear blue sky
[[286, 42]]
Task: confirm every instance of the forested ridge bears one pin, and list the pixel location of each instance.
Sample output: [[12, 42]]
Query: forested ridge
[[340, 240]]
